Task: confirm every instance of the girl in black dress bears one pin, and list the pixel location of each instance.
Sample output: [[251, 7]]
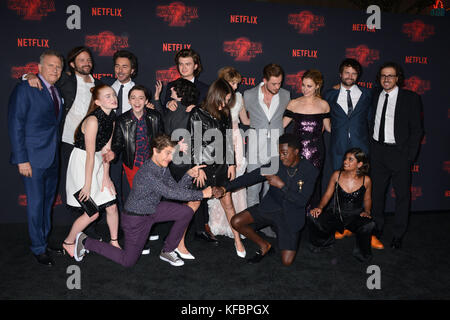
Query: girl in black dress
[[350, 208]]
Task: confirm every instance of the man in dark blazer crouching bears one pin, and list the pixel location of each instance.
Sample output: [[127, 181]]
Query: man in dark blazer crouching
[[283, 207]]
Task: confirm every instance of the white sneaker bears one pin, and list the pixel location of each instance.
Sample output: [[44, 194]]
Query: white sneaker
[[154, 237], [172, 258], [186, 256], [146, 251]]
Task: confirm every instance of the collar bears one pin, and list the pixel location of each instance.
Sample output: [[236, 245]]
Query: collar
[[393, 92], [48, 85], [79, 78], [142, 117]]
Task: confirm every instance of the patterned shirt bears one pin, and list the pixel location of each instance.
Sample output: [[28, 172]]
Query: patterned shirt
[[151, 183], [142, 142]]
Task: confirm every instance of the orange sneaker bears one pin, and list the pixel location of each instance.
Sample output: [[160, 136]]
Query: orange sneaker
[[338, 235], [376, 244], [347, 233]]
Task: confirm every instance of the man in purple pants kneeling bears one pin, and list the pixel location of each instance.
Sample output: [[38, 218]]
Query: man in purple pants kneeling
[[144, 207]]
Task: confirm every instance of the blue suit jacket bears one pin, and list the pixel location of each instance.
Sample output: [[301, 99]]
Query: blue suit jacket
[[32, 125], [341, 125]]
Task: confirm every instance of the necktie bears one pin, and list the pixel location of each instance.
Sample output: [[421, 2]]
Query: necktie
[[383, 120], [349, 103], [119, 100], [55, 100]]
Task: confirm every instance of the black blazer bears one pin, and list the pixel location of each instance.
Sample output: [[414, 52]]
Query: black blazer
[[124, 136], [408, 128], [201, 86], [67, 85], [291, 199]]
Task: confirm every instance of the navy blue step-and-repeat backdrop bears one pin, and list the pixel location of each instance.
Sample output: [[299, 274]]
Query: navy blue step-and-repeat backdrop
[[246, 35]]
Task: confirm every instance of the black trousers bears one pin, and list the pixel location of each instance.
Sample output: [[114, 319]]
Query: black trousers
[[390, 164], [322, 229]]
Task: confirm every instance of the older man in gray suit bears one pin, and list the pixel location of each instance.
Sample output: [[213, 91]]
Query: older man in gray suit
[[265, 105]]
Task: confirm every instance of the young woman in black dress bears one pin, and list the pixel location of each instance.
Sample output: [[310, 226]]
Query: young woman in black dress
[[350, 208]]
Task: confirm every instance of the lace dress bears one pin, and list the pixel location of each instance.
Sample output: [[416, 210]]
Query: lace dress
[[77, 162], [218, 222]]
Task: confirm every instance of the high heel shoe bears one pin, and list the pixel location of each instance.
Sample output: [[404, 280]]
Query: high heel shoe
[[112, 240], [65, 250], [241, 254], [186, 256]]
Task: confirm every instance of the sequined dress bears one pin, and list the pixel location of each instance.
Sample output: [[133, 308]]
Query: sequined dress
[[77, 162], [308, 128], [351, 203]]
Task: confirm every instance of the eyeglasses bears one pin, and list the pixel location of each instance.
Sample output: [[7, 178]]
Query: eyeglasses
[[388, 76]]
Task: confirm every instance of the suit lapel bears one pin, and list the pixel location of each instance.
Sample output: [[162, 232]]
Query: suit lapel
[[398, 106], [334, 98], [49, 106]]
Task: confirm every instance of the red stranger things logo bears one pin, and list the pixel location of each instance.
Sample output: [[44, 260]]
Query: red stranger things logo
[[306, 22], [242, 49], [416, 192], [32, 9], [106, 43], [167, 75], [295, 81], [177, 14], [417, 85], [31, 67], [417, 30], [363, 54], [446, 166]]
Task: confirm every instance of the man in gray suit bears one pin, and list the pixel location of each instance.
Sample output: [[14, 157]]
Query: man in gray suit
[[265, 105]]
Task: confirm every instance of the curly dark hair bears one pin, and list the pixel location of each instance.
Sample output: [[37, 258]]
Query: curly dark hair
[[360, 156], [349, 62], [398, 70], [187, 91]]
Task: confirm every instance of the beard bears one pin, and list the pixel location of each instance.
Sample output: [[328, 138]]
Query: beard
[[83, 71], [348, 82]]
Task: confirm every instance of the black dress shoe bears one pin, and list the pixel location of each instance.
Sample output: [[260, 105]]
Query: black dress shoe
[[259, 256], [45, 259], [205, 236], [396, 243], [55, 250]]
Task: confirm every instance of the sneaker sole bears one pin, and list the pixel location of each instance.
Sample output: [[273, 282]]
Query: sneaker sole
[[75, 255], [172, 263]]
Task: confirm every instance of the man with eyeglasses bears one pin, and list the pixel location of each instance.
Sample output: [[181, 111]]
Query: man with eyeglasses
[[396, 130]]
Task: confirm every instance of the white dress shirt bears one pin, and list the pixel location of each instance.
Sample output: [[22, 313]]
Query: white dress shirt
[[355, 94], [269, 111], [126, 88], [79, 108], [390, 116]]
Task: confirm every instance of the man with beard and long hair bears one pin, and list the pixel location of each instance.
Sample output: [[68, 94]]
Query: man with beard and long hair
[[349, 112]]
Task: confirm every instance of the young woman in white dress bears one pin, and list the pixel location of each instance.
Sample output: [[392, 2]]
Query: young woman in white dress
[[87, 171]]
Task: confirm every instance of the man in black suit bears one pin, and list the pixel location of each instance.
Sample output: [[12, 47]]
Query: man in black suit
[[396, 130], [189, 66], [283, 206]]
